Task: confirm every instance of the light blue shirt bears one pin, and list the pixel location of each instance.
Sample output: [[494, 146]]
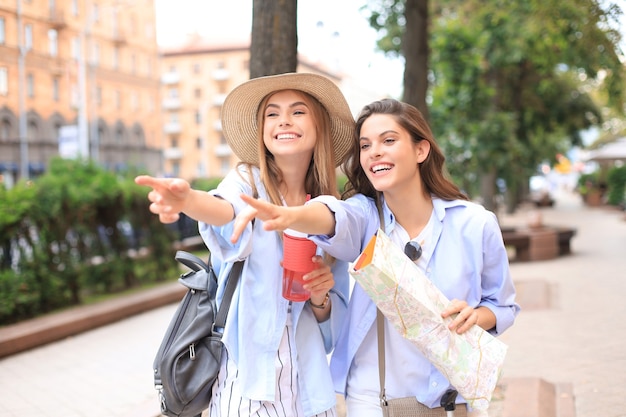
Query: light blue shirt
[[468, 261], [258, 313]]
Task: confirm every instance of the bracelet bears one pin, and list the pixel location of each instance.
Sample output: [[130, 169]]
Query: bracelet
[[323, 305]]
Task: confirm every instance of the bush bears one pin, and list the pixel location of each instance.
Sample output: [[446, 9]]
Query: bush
[[75, 231], [616, 183]]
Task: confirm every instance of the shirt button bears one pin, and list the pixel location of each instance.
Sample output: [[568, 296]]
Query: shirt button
[[435, 384]]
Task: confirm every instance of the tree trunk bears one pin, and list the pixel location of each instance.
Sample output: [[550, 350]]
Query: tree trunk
[[488, 189], [274, 38], [415, 52]]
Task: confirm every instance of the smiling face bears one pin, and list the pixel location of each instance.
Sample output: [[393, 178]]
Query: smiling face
[[289, 127], [389, 156]]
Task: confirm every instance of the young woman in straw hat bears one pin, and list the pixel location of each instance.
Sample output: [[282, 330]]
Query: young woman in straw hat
[[290, 131], [396, 165]]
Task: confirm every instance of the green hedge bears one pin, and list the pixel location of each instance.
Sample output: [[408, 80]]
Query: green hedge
[[77, 230]]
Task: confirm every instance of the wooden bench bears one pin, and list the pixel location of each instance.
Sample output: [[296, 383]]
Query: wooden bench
[[518, 240], [565, 235], [539, 244]]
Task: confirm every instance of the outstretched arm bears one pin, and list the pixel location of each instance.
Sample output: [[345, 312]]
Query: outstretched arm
[[171, 196], [313, 218]]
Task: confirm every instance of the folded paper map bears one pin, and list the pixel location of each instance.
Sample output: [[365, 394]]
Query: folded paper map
[[471, 361]]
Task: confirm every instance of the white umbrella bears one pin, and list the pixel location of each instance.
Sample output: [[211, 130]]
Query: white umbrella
[[611, 152]]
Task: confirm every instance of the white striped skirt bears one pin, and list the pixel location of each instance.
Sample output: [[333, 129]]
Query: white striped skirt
[[228, 401]]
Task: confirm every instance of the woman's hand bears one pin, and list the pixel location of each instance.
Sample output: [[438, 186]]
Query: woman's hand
[[168, 196], [319, 282], [274, 217], [466, 316]]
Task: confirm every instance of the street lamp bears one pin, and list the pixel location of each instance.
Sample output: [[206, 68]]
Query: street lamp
[[24, 174]]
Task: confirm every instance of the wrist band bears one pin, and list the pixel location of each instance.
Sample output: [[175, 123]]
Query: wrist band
[[324, 303]]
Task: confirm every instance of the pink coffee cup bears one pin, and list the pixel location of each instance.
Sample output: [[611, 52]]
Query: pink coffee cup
[[297, 254]]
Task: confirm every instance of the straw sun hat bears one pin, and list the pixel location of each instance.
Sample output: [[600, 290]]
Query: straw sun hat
[[239, 112]]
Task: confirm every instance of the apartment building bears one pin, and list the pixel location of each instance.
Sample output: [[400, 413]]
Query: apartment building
[[197, 76], [79, 78]]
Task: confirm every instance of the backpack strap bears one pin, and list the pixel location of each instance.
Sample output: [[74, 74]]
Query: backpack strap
[[233, 276], [231, 284]]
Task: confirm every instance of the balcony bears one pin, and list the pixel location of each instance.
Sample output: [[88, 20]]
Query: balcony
[[119, 37], [223, 150], [218, 100], [57, 67], [57, 19], [172, 103], [221, 74], [172, 153], [170, 78], [172, 128]]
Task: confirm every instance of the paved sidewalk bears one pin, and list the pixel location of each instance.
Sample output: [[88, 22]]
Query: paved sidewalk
[[568, 332], [579, 337]]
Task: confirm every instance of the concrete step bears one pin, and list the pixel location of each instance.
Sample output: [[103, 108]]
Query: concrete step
[[52, 327], [536, 397]]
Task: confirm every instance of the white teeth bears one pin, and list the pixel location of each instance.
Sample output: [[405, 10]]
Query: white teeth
[[286, 136], [381, 167]]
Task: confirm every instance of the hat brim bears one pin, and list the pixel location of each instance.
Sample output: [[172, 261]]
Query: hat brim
[[239, 112]]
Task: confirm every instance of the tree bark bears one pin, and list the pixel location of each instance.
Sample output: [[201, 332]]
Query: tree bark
[[274, 38], [415, 51]]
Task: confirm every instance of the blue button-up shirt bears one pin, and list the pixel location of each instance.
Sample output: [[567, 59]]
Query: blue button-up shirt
[[468, 261], [258, 312]]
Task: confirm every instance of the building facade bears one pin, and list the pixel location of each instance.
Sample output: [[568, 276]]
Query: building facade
[[197, 76], [79, 78]]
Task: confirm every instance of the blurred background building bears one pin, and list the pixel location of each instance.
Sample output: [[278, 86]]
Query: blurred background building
[[86, 79], [78, 78], [197, 76]]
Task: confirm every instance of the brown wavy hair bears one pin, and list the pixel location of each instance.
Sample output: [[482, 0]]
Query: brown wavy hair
[[435, 178]]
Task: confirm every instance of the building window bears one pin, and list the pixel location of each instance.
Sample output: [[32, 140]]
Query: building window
[[75, 48], [4, 81], [197, 93], [95, 13], [53, 42], [172, 93], [30, 85], [55, 89], [5, 130], [199, 143], [151, 105], [224, 166], [134, 101], [116, 58], [99, 96], [197, 68], [95, 54], [2, 31], [28, 36], [119, 135], [32, 131], [174, 142], [198, 117], [74, 7]]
